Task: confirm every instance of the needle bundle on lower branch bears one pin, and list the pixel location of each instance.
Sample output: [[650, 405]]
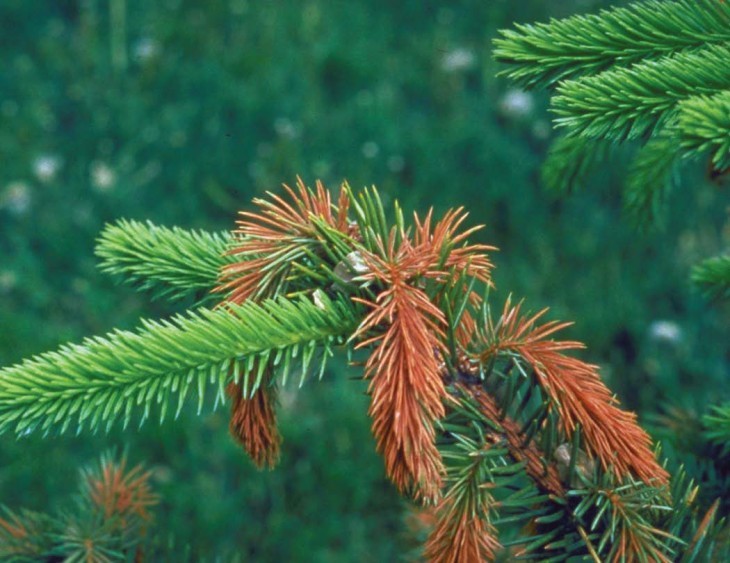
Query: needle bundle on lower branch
[[512, 445]]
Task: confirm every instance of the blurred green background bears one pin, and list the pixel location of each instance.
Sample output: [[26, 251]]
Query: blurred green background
[[180, 112]]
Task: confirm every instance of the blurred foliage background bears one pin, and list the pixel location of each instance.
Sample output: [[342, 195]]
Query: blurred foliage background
[[180, 112]]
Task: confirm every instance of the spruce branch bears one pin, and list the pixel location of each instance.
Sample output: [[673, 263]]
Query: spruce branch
[[576, 391], [632, 103], [704, 127], [652, 175], [573, 495], [171, 262], [463, 530], [713, 276], [630, 507], [404, 361], [281, 234], [116, 491], [701, 536], [571, 161], [253, 417], [106, 522], [105, 378], [489, 420], [544, 54], [655, 72], [25, 535], [717, 427]]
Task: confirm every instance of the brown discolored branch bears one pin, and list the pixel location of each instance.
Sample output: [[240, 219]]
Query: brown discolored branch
[[544, 473], [253, 424]]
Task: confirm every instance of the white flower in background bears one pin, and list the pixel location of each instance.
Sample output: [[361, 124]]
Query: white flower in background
[[285, 128], [145, 49], [321, 168], [370, 149], [458, 59], [665, 331], [46, 166], [102, 176], [8, 280], [16, 198], [516, 103]]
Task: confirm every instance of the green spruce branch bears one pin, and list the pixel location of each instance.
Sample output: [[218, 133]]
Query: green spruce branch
[[173, 263], [106, 378], [713, 276], [704, 127], [545, 54], [654, 73], [634, 102]]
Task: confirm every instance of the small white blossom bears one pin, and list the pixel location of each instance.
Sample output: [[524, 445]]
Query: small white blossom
[[457, 60], [46, 166], [102, 176], [145, 49], [8, 280], [286, 128], [396, 163], [16, 198], [665, 331], [516, 103]]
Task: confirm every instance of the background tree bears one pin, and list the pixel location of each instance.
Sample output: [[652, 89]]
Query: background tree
[[654, 72], [108, 520]]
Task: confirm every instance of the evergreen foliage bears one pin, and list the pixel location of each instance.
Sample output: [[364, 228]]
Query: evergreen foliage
[[713, 275], [106, 378], [107, 520], [704, 127], [545, 54], [515, 446], [174, 262], [654, 72]]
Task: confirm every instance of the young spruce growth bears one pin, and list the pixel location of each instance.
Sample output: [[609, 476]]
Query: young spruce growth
[[513, 447]]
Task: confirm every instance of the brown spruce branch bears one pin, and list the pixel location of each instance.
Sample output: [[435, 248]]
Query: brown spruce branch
[[578, 393], [406, 390], [460, 536], [544, 473], [121, 493], [253, 423], [272, 237]]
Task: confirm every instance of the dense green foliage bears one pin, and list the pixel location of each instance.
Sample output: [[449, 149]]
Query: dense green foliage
[[653, 72], [181, 114]]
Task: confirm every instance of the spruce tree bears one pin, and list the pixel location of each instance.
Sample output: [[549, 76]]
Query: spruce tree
[[653, 75], [508, 443]]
